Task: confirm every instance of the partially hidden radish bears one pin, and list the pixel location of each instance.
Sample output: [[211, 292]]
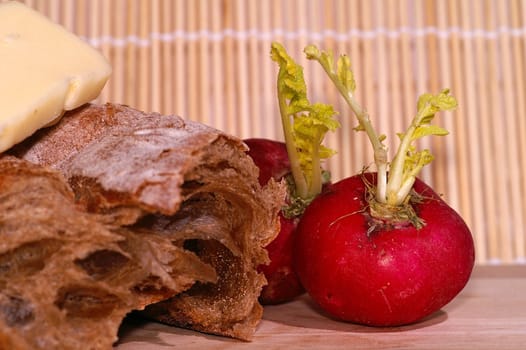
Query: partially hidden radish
[[297, 161], [282, 282], [382, 248]]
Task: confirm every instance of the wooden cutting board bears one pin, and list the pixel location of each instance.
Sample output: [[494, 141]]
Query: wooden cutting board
[[490, 313]]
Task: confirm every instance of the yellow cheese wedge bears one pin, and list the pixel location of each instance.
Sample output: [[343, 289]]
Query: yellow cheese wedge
[[44, 70]]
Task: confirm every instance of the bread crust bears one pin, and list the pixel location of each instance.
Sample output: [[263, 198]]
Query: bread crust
[[179, 179], [67, 278]]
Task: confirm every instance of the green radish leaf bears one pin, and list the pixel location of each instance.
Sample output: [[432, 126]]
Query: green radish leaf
[[428, 105], [305, 125], [427, 130], [345, 73], [415, 161], [291, 83], [407, 161]]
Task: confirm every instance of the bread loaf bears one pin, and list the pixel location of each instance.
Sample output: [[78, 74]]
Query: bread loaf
[[162, 175], [67, 279]]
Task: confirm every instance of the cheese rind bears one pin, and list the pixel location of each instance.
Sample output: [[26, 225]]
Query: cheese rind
[[44, 71]]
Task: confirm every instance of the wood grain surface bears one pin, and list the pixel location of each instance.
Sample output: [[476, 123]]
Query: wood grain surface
[[490, 313]]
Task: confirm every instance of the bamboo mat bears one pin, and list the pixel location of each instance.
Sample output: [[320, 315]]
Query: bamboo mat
[[209, 61]]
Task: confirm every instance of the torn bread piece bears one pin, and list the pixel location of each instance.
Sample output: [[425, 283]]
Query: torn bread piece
[[66, 279], [179, 179]]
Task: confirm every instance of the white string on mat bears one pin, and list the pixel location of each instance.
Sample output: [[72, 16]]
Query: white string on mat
[[352, 34]]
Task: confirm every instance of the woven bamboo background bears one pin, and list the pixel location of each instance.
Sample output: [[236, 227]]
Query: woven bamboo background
[[208, 60]]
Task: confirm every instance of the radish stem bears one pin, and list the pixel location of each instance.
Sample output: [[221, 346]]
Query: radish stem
[[295, 167], [346, 89], [394, 184], [304, 127]]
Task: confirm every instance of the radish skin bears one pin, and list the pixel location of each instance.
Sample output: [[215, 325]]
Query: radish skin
[[283, 284], [369, 271]]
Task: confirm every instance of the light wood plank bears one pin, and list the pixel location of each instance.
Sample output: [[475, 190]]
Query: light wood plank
[[488, 314]]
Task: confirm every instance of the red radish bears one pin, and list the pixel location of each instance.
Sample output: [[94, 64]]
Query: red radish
[[270, 157], [365, 270], [283, 284], [298, 161], [383, 249]]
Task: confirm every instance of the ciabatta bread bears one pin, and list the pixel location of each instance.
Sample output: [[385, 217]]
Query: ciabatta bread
[[67, 278], [178, 179]]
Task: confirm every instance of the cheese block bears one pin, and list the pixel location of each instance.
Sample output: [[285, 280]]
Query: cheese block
[[44, 71]]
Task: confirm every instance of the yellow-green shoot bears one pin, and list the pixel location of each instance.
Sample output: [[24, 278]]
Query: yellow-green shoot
[[304, 125], [394, 180]]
